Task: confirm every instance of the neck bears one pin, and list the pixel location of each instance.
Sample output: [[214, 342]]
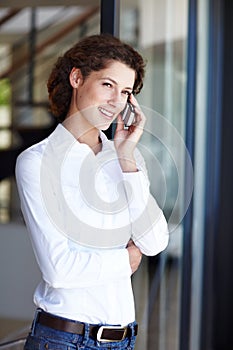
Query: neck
[[92, 139], [88, 135]]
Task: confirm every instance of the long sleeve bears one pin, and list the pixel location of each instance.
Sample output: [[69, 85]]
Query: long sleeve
[[84, 279], [149, 226], [62, 265]]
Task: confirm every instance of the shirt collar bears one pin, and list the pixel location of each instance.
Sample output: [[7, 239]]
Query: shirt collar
[[64, 134]]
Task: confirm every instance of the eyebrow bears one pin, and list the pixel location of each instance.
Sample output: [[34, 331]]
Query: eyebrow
[[114, 82]]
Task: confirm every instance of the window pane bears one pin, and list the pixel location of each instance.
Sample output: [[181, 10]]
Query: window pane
[[158, 28]]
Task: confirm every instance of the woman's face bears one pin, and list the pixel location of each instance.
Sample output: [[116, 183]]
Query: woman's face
[[103, 94]]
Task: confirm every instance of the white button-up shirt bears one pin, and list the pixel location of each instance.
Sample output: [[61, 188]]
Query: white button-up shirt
[[81, 210]]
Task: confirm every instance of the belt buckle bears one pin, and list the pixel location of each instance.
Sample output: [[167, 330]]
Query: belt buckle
[[102, 328]]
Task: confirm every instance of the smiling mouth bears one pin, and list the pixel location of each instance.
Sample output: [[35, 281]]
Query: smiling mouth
[[106, 113]]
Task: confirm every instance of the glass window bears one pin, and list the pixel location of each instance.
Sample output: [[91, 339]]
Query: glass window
[[158, 28]]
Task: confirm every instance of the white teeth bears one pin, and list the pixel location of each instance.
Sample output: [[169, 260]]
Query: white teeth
[[104, 111]]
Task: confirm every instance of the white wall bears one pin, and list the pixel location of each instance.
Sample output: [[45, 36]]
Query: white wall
[[19, 273]]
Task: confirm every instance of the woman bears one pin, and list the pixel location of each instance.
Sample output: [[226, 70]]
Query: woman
[[86, 201]]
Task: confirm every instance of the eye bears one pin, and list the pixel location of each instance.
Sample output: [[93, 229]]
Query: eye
[[109, 85], [127, 93]]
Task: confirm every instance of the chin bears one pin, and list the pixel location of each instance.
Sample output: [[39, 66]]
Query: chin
[[104, 126]]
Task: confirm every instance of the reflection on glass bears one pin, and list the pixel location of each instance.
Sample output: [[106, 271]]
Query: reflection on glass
[[159, 29]]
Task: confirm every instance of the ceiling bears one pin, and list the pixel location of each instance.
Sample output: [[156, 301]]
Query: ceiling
[[38, 3], [16, 17], [49, 19]]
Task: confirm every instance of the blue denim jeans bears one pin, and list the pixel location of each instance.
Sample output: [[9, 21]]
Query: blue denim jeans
[[42, 337]]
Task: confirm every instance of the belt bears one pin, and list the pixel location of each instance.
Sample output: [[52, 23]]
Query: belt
[[100, 333]]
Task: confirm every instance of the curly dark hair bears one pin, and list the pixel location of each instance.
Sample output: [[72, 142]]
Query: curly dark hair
[[91, 53]]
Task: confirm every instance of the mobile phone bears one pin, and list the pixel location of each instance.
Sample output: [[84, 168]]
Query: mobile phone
[[128, 114]]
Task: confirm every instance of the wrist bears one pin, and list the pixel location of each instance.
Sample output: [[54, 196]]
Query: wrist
[[127, 164]]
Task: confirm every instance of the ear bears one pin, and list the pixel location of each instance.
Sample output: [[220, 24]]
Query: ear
[[75, 77]]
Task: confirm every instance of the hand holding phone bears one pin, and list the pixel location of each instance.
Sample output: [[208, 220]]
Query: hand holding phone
[[129, 129], [128, 114]]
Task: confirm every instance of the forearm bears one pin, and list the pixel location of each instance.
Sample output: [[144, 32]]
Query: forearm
[[127, 163], [148, 224]]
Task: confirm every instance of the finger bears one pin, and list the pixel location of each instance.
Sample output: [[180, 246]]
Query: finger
[[133, 100], [120, 123], [140, 117]]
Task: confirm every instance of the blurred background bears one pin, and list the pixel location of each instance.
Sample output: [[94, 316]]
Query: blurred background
[[183, 295]]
